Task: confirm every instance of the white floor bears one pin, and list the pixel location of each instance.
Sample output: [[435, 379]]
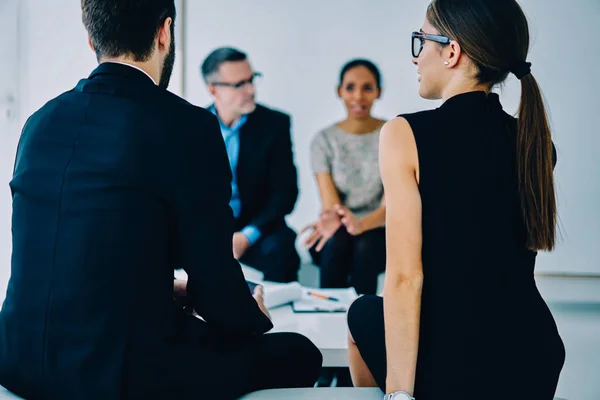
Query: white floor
[[579, 326], [575, 304]]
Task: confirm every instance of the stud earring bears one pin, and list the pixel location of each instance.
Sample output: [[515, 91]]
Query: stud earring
[[446, 63]]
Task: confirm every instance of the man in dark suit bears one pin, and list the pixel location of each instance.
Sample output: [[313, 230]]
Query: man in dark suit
[[264, 180], [117, 182]]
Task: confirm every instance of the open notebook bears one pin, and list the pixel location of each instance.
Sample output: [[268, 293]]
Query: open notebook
[[277, 294]]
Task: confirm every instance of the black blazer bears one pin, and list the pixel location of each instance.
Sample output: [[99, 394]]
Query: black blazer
[[116, 183], [266, 175]]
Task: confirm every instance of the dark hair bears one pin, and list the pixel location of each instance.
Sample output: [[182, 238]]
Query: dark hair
[[218, 57], [494, 34], [359, 62], [126, 27]]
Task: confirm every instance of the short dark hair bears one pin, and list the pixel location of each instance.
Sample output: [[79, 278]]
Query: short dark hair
[[218, 57], [361, 62], [125, 27]]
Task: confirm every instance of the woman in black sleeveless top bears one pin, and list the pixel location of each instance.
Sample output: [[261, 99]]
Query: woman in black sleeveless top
[[470, 200]]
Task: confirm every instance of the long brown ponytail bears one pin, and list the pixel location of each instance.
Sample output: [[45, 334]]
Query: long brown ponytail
[[535, 169], [494, 34]]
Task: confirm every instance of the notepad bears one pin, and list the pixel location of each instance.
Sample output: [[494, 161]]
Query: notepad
[[278, 294], [310, 304]]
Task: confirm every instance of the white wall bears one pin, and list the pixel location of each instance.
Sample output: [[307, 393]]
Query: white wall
[[300, 47], [9, 125], [56, 52]]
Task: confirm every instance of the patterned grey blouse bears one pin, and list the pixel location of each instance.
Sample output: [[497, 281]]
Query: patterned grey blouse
[[353, 161]]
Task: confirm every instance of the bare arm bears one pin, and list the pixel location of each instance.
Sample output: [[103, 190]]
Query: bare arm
[[329, 221], [328, 191], [404, 268]]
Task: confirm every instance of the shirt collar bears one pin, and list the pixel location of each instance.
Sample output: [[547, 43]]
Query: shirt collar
[[229, 129], [136, 67]]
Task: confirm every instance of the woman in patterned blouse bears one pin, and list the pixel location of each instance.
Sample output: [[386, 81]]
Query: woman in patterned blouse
[[348, 240]]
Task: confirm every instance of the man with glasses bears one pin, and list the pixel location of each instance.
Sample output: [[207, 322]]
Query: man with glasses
[[264, 184]]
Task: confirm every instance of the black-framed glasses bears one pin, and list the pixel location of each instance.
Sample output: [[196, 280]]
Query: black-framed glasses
[[237, 85], [418, 40]]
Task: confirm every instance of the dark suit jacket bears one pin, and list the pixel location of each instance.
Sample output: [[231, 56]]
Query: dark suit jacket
[[116, 183], [266, 174]]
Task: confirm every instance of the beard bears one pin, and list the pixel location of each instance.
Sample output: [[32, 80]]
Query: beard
[[168, 64], [248, 106]]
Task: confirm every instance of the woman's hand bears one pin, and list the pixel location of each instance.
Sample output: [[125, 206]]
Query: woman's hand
[[353, 225], [322, 229]]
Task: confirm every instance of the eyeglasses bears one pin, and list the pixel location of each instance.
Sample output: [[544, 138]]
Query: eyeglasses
[[418, 40], [237, 85]]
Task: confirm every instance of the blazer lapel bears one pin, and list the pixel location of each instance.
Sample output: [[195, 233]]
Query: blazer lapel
[[246, 151]]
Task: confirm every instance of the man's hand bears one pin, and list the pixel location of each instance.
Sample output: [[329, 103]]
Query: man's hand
[[240, 245], [323, 229], [179, 288], [353, 225], [260, 300]]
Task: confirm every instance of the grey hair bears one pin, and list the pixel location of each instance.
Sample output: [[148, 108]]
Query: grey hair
[[210, 67]]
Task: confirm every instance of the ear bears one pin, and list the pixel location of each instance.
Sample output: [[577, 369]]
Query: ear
[[452, 53], [339, 91], [164, 35], [379, 91], [91, 44], [212, 89]]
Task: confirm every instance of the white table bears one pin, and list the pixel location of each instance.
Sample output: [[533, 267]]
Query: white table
[[328, 331]]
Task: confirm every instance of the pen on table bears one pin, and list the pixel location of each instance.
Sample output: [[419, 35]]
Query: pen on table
[[322, 296]]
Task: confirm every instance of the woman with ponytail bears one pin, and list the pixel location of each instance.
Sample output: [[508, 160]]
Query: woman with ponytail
[[470, 201]]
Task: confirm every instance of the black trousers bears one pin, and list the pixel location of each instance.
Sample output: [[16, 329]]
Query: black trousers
[[275, 255], [352, 261], [204, 364]]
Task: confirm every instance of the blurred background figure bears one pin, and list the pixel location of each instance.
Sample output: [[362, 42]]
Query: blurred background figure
[[348, 240], [259, 147]]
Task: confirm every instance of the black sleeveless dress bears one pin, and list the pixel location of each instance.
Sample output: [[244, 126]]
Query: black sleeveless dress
[[486, 333]]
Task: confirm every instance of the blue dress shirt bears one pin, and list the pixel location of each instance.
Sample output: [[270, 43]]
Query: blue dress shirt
[[231, 136]]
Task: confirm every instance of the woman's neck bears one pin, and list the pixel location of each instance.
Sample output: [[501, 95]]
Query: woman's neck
[[359, 126], [459, 87]]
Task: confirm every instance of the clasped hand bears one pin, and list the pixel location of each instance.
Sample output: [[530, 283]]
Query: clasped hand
[[328, 223]]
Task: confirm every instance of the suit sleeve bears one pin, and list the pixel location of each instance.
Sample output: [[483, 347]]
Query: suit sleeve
[[282, 178], [22, 138], [216, 287]]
